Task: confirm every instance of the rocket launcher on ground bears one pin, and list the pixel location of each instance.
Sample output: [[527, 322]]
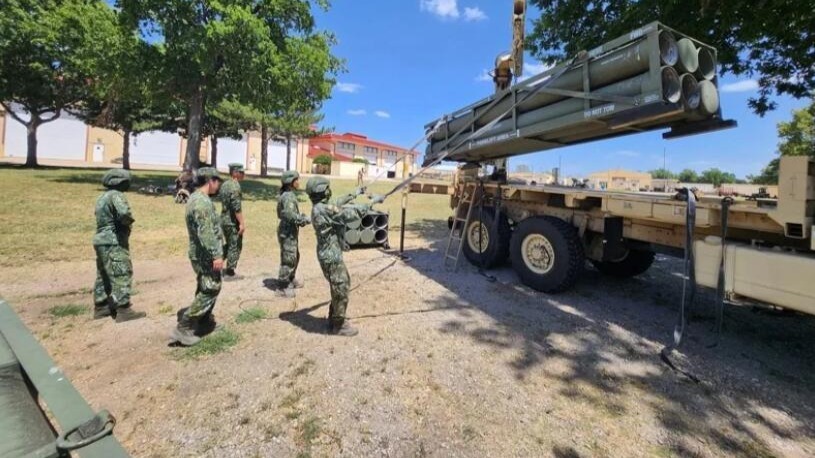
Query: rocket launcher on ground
[[650, 79]]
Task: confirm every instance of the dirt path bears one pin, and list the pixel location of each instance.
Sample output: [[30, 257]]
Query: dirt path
[[446, 364]]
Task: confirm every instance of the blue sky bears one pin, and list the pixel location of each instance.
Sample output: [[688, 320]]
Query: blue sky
[[411, 61]]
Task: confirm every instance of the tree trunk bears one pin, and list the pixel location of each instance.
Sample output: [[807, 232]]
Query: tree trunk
[[31, 129], [214, 151], [264, 150], [192, 156], [126, 150], [288, 151]]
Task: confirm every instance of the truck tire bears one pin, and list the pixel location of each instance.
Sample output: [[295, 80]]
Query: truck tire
[[494, 242], [634, 263], [547, 254]]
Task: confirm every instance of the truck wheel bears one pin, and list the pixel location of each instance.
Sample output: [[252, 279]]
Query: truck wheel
[[494, 247], [632, 264], [547, 254]]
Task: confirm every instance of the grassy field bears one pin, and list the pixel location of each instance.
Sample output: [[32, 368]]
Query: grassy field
[[47, 214]]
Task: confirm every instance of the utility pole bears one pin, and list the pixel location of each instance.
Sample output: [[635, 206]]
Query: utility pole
[[664, 160]]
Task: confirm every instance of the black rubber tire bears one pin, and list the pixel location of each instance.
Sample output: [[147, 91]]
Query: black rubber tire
[[495, 253], [634, 263], [569, 257]]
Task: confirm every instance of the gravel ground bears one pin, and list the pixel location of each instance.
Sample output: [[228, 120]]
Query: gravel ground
[[446, 364]]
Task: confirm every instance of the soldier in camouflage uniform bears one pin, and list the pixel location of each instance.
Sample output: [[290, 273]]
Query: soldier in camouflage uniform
[[232, 221], [288, 230], [114, 270], [206, 256], [329, 220]]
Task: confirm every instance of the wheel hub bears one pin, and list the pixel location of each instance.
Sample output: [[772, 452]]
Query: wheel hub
[[538, 253], [476, 230]]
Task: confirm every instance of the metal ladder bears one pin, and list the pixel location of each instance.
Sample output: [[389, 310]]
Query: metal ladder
[[467, 200]]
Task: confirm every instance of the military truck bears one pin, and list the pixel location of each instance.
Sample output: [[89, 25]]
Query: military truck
[[653, 78]]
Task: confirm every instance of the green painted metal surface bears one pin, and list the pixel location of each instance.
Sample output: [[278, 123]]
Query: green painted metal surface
[[52, 386]]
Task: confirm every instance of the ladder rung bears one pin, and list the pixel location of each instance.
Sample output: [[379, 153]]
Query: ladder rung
[[461, 219]]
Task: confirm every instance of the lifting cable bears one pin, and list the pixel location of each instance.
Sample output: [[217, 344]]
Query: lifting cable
[[579, 57], [688, 283]]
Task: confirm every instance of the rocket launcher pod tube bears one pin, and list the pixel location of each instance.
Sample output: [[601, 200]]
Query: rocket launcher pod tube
[[381, 221], [352, 237], [690, 92], [616, 66], [671, 87], [688, 56], [668, 49], [366, 236], [368, 221], [381, 236], [707, 65], [709, 96]]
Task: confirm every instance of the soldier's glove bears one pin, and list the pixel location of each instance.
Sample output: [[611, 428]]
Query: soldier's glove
[[377, 199], [359, 191]]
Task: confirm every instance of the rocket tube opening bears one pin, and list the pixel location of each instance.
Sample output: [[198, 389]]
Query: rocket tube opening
[[366, 236], [352, 237], [381, 236], [707, 65], [367, 221], [381, 221], [668, 51], [671, 87], [690, 92], [688, 56], [709, 98]]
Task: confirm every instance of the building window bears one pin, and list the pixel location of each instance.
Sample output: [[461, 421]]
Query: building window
[[371, 149], [347, 146], [390, 152]]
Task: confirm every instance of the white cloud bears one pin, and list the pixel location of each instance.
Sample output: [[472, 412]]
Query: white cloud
[[350, 88], [445, 9], [484, 76], [359, 112], [740, 86], [534, 69], [474, 14], [448, 9], [382, 114]]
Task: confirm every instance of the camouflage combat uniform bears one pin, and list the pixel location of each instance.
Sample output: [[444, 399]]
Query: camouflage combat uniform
[[206, 245], [288, 231], [329, 220], [114, 270], [231, 197]]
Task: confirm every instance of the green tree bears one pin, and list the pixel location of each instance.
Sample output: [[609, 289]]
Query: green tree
[[796, 138], [50, 52], [662, 174], [716, 177], [214, 50], [323, 159], [293, 124], [771, 39], [228, 119], [122, 98], [688, 176]]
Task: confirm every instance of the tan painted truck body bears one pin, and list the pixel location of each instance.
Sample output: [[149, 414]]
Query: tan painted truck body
[[769, 255]]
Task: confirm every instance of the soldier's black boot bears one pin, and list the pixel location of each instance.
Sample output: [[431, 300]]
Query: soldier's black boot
[[342, 328], [184, 332], [102, 311], [126, 313], [206, 325], [229, 275]]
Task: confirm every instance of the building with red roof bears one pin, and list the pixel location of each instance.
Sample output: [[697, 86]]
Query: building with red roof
[[349, 146]]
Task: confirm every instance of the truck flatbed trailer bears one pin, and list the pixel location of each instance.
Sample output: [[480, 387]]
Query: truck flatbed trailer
[[549, 232]]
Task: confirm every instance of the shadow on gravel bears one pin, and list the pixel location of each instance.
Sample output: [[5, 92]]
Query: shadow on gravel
[[760, 377], [303, 319]]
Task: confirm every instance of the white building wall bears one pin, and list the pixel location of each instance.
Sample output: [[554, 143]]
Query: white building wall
[[155, 148], [231, 151], [63, 138]]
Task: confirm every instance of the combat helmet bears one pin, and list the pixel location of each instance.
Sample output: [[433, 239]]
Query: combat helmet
[[115, 178], [289, 176], [317, 188]]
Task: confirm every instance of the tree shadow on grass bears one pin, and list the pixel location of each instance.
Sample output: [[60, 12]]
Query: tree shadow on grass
[[761, 377]]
